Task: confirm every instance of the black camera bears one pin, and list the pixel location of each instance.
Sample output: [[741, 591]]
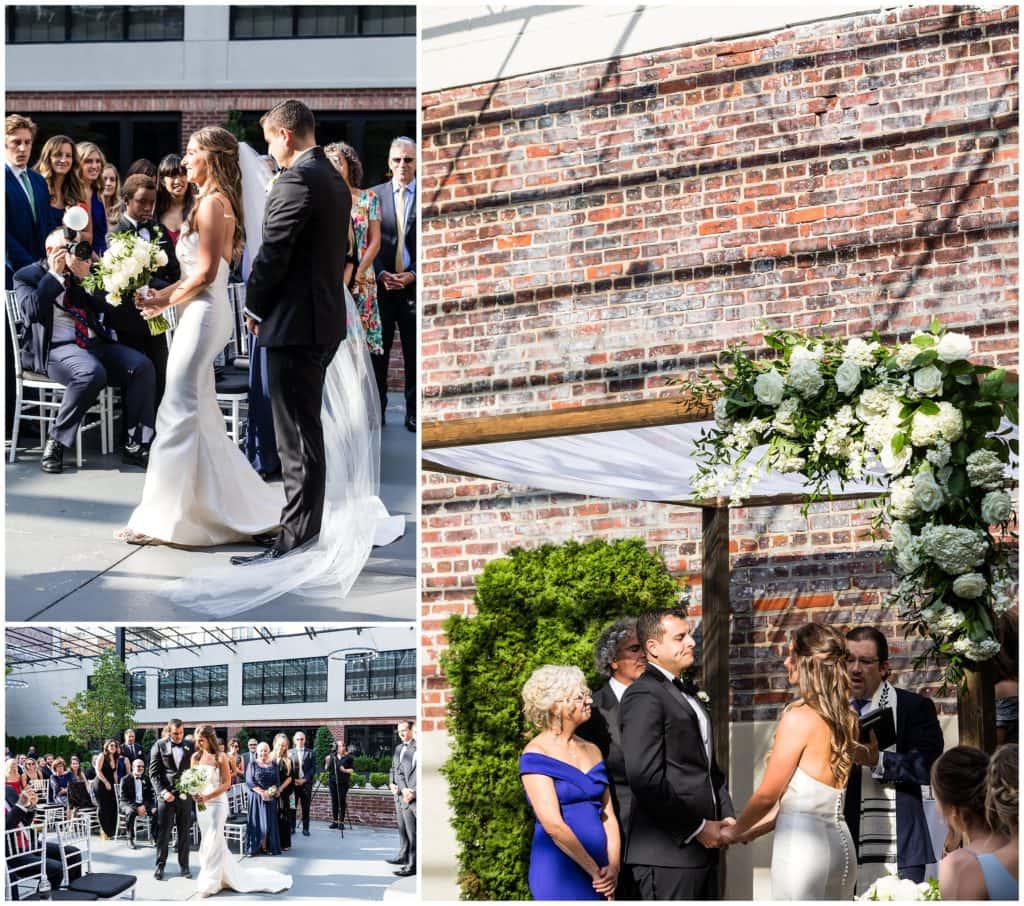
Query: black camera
[[80, 248]]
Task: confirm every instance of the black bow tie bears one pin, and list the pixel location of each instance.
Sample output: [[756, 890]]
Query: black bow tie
[[686, 686]]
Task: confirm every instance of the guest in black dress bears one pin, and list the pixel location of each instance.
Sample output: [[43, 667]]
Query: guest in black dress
[[340, 767], [261, 776], [284, 770], [106, 779]]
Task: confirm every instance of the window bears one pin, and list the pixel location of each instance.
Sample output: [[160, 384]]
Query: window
[[137, 689], [280, 682], [61, 24], [190, 687], [371, 739], [123, 137], [392, 674], [263, 22]]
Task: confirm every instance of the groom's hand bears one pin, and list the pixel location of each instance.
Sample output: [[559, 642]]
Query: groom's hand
[[710, 836], [168, 796], [254, 326]]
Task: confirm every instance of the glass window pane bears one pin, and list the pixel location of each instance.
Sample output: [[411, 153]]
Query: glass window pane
[[261, 22], [156, 23], [387, 20], [97, 23], [251, 674], [38, 23], [273, 678], [327, 21], [201, 687], [219, 685]]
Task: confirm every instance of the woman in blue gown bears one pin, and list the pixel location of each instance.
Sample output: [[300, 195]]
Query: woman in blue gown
[[262, 833], [576, 846]]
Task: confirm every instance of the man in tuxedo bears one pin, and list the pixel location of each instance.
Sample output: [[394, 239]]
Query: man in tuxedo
[[130, 749], [139, 194], [138, 801], [295, 305], [620, 657], [69, 341], [168, 760], [680, 797], [395, 266], [402, 781], [303, 775], [883, 805]]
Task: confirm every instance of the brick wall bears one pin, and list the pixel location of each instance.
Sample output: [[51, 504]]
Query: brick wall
[[370, 808], [591, 233]]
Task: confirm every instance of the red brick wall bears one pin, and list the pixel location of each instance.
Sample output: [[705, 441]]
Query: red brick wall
[[365, 807], [591, 233]]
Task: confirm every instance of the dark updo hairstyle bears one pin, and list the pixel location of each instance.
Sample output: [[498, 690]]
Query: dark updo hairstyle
[[960, 779], [172, 165]]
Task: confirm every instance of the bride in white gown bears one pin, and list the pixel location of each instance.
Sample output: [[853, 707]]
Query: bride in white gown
[[218, 868], [801, 795], [200, 490]]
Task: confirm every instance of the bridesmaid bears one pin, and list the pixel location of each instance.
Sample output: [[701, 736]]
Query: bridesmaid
[[105, 765], [58, 165], [263, 836], [284, 769], [111, 197], [92, 162]]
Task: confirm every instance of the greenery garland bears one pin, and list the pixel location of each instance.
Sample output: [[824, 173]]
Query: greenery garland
[[917, 416]]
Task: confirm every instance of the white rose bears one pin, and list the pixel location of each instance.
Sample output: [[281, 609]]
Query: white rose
[[805, 377], [161, 258], [114, 298], [901, 499], [885, 888], [906, 890], [928, 380], [769, 387], [927, 493], [116, 248], [953, 347], [141, 254], [894, 463], [969, 585], [906, 354], [847, 377], [996, 507]]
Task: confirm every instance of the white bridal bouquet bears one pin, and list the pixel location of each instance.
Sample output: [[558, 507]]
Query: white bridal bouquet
[[917, 416], [126, 267], [193, 781], [892, 888]]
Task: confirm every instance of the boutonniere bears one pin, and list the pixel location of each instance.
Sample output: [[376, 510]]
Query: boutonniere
[[273, 180], [703, 697]]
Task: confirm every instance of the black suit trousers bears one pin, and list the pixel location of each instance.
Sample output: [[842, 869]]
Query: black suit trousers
[[303, 797], [169, 814], [297, 388], [397, 310], [655, 882], [155, 349]]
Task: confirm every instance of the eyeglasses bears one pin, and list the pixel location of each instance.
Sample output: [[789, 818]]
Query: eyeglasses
[[863, 661], [403, 160], [581, 699]]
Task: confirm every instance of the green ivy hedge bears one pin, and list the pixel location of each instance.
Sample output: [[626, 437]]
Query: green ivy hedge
[[64, 746], [533, 607]]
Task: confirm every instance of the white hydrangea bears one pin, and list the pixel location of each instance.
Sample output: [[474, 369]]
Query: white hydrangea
[[785, 462], [985, 470], [877, 404], [783, 421], [977, 651], [996, 507], [810, 353], [721, 418], [860, 353], [836, 433], [953, 549], [901, 499], [928, 380], [805, 377], [847, 377], [947, 425], [942, 619], [927, 493], [906, 354], [856, 460], [939, 455], [745, 435], [1002, 593], [905, 547], [769, 387], [969, 585], [953, 347]]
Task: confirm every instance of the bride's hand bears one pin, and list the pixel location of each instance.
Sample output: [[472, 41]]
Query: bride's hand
[[153, 304], [199, 798]]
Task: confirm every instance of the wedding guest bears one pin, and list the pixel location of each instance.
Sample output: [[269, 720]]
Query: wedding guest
[[575, 853], [58, 164], [883, 806], [130, 749], [174, 196], [68, 341], [1001, 869], [340, 767], [75, 769], [144, 166], [46, 766], [22, 813], [105, 765], [396, 271], [620, 657], [284, 772], [249, 755], [91, 163], [1006, 664], [31, 770], [363, 243], [12, 775], [262, 831], [27, 198], [303, 775], [959, 783], [235, 762], [111, 196], [138, 801], [124, 764], [59, 781]]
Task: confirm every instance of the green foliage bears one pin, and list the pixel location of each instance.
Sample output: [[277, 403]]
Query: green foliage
[[64, 746], [233, 124], [104, 710], [365, 764], [243, 736], [149, 739], [322, 745], [378, 780], [534, 607]]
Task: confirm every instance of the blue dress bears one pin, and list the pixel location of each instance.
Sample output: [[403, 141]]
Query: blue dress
[[98, 213], [262, 815], [553, 875]]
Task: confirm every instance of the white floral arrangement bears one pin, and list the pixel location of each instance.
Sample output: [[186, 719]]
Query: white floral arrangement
[[127, 266], [918, 416], [892, 888], [195, 780]]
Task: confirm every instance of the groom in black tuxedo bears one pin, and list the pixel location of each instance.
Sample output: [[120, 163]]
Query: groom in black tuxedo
[[295, 304], [680, 798], [168, 760]]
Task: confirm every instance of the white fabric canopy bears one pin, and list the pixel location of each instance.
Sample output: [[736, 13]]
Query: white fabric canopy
[[635, 464]]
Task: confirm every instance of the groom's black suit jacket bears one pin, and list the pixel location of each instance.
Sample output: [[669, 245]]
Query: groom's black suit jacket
[[674, 786], [162, 771], [296, 287]]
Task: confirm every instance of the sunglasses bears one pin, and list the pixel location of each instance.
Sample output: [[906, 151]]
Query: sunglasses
[[403, 160]]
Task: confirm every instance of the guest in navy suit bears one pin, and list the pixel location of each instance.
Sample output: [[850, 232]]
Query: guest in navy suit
[[396, 271], [883, 805]]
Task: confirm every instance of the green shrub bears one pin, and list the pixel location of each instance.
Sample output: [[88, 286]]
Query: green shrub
[[64, 746], [378, 780], [533, 607], [149, 739], [322, 745], [365, 763]]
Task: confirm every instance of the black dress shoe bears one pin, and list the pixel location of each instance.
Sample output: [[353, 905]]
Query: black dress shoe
[[333, 825], [395, 861], [305, 833], [267, 539], [410, 423], [53, 457], [186, 873], [159, 873], [135, 455], [131, 843], [404, 872], [271, 553]]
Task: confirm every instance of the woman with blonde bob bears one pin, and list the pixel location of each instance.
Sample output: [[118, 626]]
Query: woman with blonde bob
[[801, 794], [576, 844]]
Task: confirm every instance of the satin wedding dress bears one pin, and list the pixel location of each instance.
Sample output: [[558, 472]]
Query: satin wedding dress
[[813, 854], [200, 489], [218, 868]]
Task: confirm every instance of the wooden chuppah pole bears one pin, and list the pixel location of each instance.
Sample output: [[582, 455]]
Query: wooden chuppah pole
[[976, 709]]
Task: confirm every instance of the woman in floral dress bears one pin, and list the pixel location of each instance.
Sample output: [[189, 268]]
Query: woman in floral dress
[[364, 238]]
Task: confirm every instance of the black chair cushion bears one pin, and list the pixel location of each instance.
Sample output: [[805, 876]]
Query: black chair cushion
[[232, 380], [103, 885], [62, 894]]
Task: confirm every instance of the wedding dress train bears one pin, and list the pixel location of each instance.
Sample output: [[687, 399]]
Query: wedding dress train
[[813, 854]]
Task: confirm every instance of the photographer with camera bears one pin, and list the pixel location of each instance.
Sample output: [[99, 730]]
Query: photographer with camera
[[69, 343]]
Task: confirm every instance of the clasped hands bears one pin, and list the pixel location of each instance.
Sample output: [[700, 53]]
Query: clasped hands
[[719, 834], [393, 281], [605, 881]]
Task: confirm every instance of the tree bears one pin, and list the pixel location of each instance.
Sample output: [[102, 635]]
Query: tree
[[149, 739], [104, 710], [322, 746]]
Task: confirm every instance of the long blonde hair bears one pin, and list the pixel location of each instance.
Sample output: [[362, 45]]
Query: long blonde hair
[[84, 149], [1003, 795], [72, 186], [226, 176], [820, 656]]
